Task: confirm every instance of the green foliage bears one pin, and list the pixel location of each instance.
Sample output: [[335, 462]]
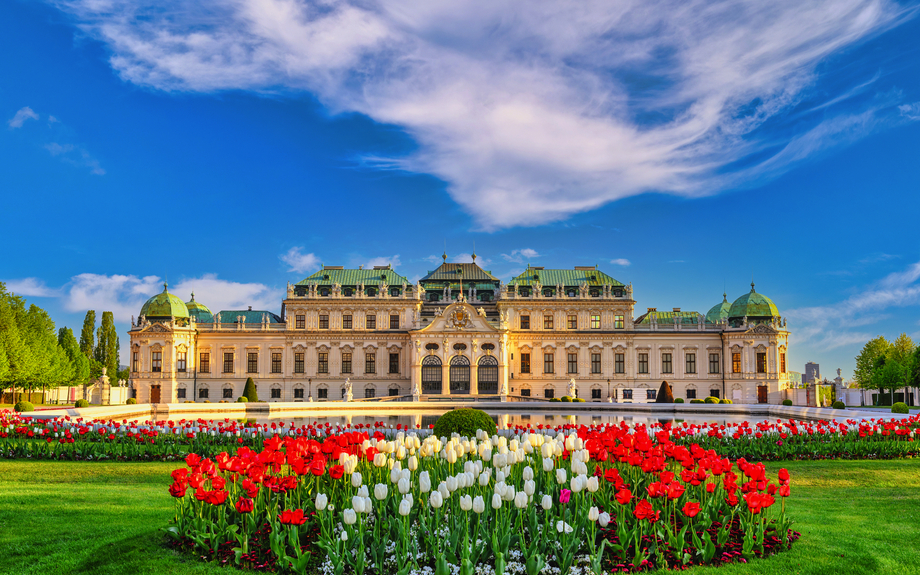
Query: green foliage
[[566, 399], [107, 345], [131, 401], [242, 399], [81, 403], [249, 390], [839, 405], [787, 402], [23, 406], [86, 335], [900, 407], [78, 361], [726, 400], [578, 400], [696, 401], [678, 400], [711, 399], [665, 394], [554, 399], [464, 421], [124, 374]]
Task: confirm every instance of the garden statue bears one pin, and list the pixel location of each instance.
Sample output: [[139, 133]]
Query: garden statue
[[573, 389], [348, 394]]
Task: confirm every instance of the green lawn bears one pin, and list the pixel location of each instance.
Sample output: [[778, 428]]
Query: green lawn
[[104, 518]]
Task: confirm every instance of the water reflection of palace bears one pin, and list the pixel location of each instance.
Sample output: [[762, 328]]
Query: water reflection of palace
[[459, 331]]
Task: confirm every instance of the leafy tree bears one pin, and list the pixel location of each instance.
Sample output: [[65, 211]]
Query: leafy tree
[[41, 335], [107, 346], [888, 374], [87, 335], [124, 374], [80, 362], [20, 365], [902, 351], [867, 359], [249, 391]]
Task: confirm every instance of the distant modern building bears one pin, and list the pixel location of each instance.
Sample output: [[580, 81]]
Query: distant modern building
[[459, 331], [812, 372]]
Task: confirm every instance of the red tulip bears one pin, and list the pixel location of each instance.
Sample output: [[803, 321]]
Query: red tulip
[[784, 490], [289, 517], [177, 489], [624, 496], [244, 505], [675, 490], [691, 509], [336, 471], [644, 511]]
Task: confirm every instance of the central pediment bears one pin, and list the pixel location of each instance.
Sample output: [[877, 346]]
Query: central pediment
[[459, 317]]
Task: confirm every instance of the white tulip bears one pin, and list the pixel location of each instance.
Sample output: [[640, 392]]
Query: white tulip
[[546, 450], [593, 514], [443, 490], [575, 484], [424, 482], [486, 454], [436, 500], [509, 493], [403, 485], [380, 491], [357, 502], [362, 491], [528, 473], [478, 504], [344, 536], [560, 476], [321, 501], [496, 501], [529, 487], [380, 460], [484, 479], [350, 516], [593, 484], [400, 452], [563, 526], [603, 519], [452, 484], [547, 464], [466, 502], [413, 463], [356, 479], [546, 503], [405, 506], [520, 500], [395, 474], [579, 443], [499, 475], [451, 456]]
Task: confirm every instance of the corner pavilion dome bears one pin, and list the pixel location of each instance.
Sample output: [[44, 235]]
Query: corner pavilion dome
[[719, 312], [199, 311], [756, 307], [164, 305]]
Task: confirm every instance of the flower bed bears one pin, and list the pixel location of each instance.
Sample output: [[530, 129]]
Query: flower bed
[[593, 500]]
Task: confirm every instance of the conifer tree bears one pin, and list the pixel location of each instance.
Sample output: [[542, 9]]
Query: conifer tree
[[87, 336], [78, 361], [107, 346], [249, 390]]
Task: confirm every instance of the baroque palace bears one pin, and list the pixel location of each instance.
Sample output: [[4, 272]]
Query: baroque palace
[[459, 331]]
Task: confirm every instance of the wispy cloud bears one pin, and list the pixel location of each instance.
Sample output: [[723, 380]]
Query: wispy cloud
[[298, 261], [75, 156], [910, 111], [519, 256], [533, 111], [621, 262], [31, 287], [21, 116], [383, 261]]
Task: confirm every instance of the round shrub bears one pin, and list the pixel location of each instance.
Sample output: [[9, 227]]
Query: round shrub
[[81, 403], [899, 407], [131, 401], [711, 399], [23, 406], [555, 399], [696, 401], [839, 405], [207, 401], [678, 400], [242, 399], [578, 400], [787, 402], [465, 421], [566, 399], [725, 401]]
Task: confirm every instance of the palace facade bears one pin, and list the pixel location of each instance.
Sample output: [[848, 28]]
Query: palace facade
[[459, 331]]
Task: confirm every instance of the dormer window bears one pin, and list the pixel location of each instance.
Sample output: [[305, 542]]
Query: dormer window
[[394, 292], [547, 293], [595, 293], [618, 293], [348, 292], [371, 292], [324, 292], [571, 293]]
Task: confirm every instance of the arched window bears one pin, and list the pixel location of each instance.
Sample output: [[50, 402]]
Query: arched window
[[431, 374], [488, 374], [460, 374]]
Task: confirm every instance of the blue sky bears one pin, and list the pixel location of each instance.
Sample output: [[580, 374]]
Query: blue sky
[[680, 146]]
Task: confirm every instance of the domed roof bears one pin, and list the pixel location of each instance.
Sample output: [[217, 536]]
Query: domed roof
[[719, 312], [164, 304], [199, 311], [753, 305]]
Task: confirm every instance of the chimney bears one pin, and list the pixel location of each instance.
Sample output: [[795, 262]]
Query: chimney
[[677, 310], [250, 308], [651, 309]]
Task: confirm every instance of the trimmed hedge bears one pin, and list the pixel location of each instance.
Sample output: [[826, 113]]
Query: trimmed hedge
[[725, 400], [81, 403], [696, 401], [900, 407], [23, 406], [249, 391], [678, 400], [465, 421], [578, 400], [242, 399], [711, 399], [839, 405], [787, 402], [131, 401], [555, 399], [665, 395], [566, 398]]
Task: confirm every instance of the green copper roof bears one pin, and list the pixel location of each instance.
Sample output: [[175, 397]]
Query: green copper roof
[[249, 316], [199, 311], [568, 278], [164, 304], [669, 317], [352, 277], [753, 305], [455, 272], [719, 312]]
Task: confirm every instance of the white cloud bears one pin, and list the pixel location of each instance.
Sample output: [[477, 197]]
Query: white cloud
[[621, 262], [31, 287], [518, 256], [530, 111], [910, 111], [21, 116], [300, 262], [383, 260], [75, 156]]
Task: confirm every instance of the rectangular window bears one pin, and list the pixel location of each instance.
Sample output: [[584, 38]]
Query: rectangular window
[[651, 394], [324, 321], [761, 362], [346, 363], [180, 393], [627, 394], [252, 362], [618, 322], [322, 393], [714, 393], [619, 363], [595, 363], [346, 322], [525, 322], [690, 362], [298, 393], [595, 394], [666, 365], [691, 394], [181, 361], [276, 393], [643, 363], [714, 363], [782, 363], [736, 362], [301, 322], [393, 391], [394, 363], [572, 322], [276, 362], [322, 364], [298, 362], [228, 393], [549, 393], [595, 321], [204, 362], [203, 393], [525, 393], [394, 321], [547, 322], [370, 363], [228, 362], [525, 363], [135, 361], [370, 322], [156, 361], [370, 392], [573, 363], [548, 359]]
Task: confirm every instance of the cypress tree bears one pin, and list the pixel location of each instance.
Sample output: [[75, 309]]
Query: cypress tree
[[249, 391], [665, 395], [87, 335], [79, 362], [107, 346]]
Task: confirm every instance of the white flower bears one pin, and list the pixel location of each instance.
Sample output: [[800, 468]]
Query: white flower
[[546, 450], [479, 505], [356, 479], [445, 492], [484, 479], [344, 536], [405, 506], [563, 526], [350, 516], [413, 463], [546, 503], [496, 501], [362, 491], [603, 519], [529, 487], [520, 500], [380, 491], [321, 501], [547, 464], [436, 500], [452, 484], [528, 473], [560, 476], [593, 484], [593, 514], [380, 460], [575, 484], [466, 502], [403, 485], [357, 502], [424, 482]]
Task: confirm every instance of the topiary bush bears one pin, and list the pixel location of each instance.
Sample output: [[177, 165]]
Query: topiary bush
[[242, 399], [696, 401], [81, 403], [665, 395], [578, 400], [787, 402], [249, 391], [725, 400], [839, 405], [555, 399], [131, 401], [23, 406], [711, 399], [900, 407], [566, 399], [465, 421], [678, 400]]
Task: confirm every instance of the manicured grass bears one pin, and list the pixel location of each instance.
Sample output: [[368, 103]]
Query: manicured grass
[[104, 518]]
